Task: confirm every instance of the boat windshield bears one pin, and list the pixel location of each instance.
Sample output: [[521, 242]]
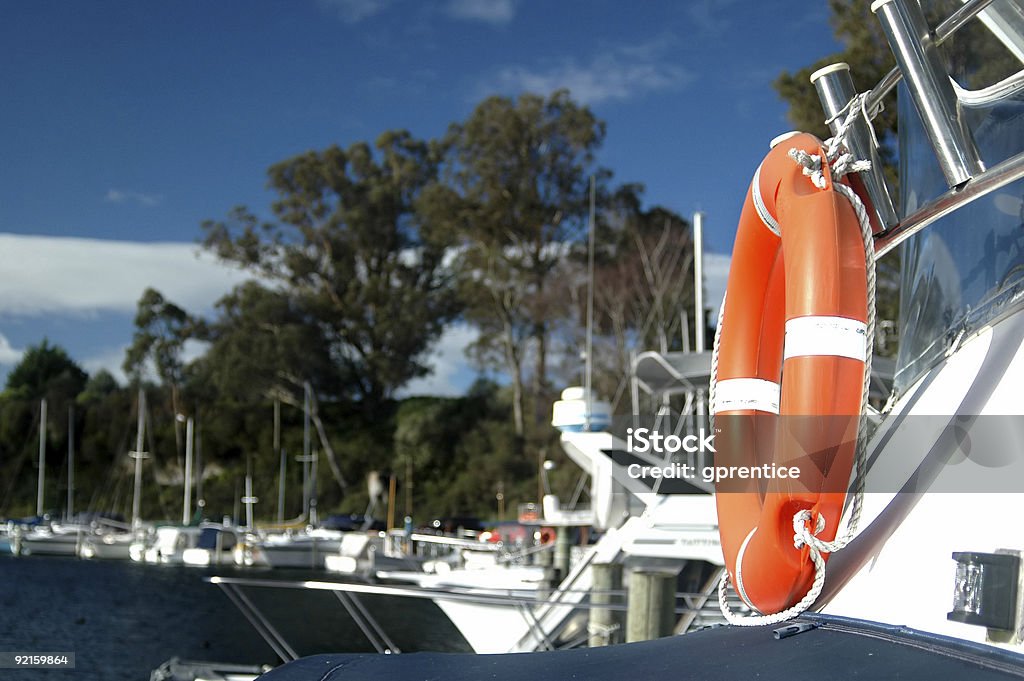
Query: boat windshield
[[968, 268]]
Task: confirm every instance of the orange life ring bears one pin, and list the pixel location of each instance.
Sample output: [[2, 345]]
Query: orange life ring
[[792, 343], [547, 535]]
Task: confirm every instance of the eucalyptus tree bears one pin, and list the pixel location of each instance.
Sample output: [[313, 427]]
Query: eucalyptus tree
[[515, 194], [161, 330], [347, 247], [265, 345]]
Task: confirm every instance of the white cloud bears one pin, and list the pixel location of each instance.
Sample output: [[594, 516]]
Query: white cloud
[[9, 356], [62, 275], [138, 198], [496, 12], [448, 361], [193, 350], [109, 359], [615, 74], [711, 16], [354, 11], [112, 359]]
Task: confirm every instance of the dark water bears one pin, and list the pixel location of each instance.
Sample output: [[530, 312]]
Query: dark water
[[123, 619]]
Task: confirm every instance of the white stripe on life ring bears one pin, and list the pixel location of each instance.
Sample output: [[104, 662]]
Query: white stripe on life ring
[[826, 336], [733, 394], [767, 218], [740, 589]]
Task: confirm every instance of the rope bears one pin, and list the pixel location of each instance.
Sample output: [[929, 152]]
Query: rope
[[801, 536], [714, 365], [841, 163], [605, 631]]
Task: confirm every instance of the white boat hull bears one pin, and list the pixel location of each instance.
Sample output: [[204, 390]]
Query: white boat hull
[[899, 569], [42, 542], [106, 547], [306, 554]]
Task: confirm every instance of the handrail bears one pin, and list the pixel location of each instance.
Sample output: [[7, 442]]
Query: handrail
[[511, 556], [943, 31], [453, 541], [507, 597], [996, 177]]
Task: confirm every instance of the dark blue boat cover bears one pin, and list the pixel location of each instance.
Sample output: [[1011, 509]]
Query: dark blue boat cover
[[831, 648]]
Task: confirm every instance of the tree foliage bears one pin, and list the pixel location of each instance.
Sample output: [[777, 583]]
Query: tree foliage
[[515, 195], [161, 330], [366, 255], [46, 371], [347, 246], [264, 343]]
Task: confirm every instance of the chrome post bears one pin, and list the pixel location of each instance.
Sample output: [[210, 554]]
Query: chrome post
[[952, 24], [835, 90], [917, 56]]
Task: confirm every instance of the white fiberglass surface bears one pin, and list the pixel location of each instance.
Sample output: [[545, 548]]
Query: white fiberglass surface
[[908, 578]]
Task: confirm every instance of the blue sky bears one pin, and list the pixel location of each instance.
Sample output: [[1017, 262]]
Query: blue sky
[[125, 124]]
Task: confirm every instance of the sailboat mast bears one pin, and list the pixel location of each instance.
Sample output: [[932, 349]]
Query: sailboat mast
[[313, 518], [588, 371], [197, 446], [698, 280], [42, 457], [138, 454], [71, 462], [698, 296], [307, 407], [281, 455], [186, 507], [248, 499]]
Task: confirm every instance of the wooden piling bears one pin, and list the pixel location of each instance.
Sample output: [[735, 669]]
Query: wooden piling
[[651, 610], [563, 550], [605, 627]]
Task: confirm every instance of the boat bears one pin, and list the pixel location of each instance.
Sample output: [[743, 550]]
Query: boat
[[51, 539], [392, 554], [198, 545], [162, 544], [504, 598], [308, 548], [10, 534], [873, 651], [108, 540], [214, 545], [7, 538], [927, 583], [177, 669]]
